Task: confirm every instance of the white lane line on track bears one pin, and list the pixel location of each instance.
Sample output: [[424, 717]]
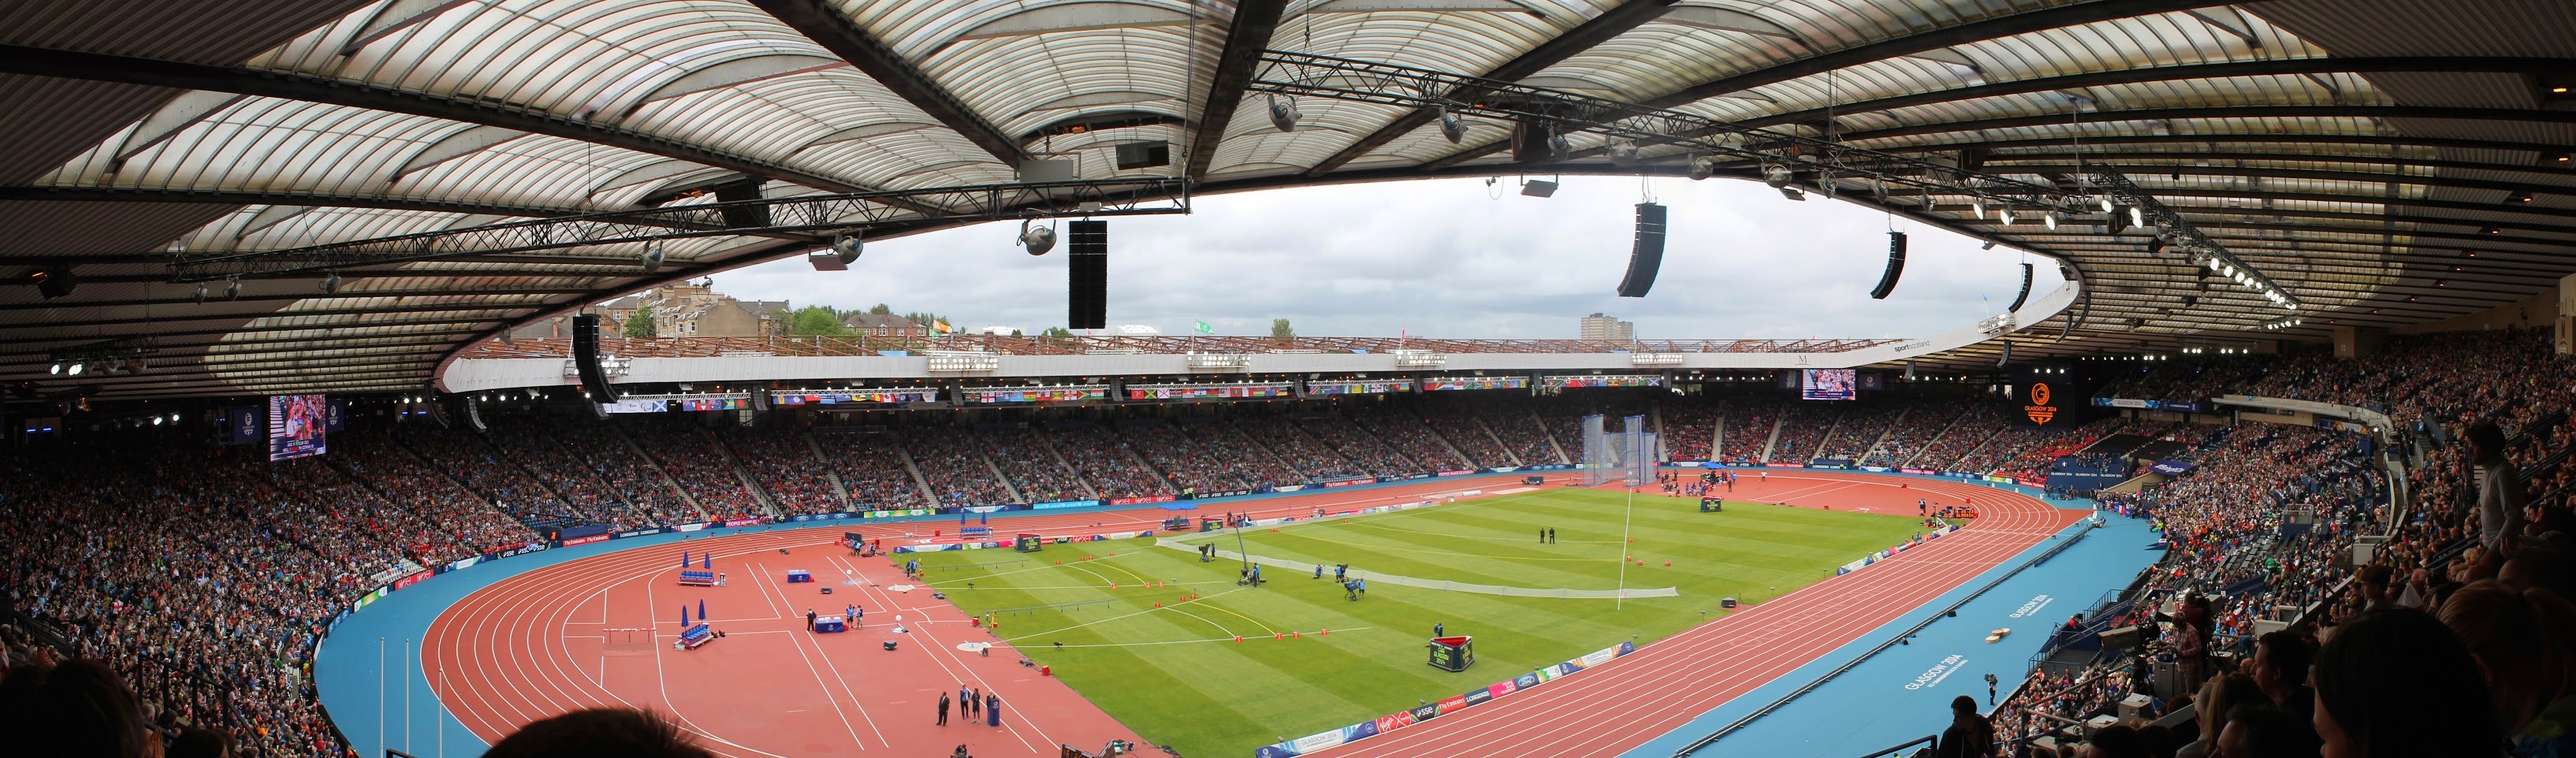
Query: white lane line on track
[[501, 701], [1702, 657]]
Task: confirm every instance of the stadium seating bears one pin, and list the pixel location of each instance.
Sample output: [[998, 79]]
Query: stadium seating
[[390, 499]]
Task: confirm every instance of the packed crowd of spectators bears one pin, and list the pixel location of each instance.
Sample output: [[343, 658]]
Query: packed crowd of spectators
[[1190, 466], [1747, 428], [1455, 422], [1803, 429], [467, 458], [1105, 460], [688, 453], [950, 458], [1979, 422], [205, 575], [522, 438], [1372, 455], [1036, 471], [1908, 435], [1303, 452], [443, 510], [2194, 379], [779, 459], [1690, 429], [609, 457], [1860, 428], [1400, 429], [870, 463], [2456, 639], [1516, 425], [1245, 455]]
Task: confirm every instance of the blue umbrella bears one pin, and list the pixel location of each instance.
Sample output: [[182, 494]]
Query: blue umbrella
[[684, 617], [702, 609], [684, 559]]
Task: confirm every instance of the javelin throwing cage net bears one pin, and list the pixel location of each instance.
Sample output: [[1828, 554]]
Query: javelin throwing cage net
[[1626, 456]]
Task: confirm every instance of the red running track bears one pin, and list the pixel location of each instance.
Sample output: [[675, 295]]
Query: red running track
[[1607, 710], [530, 646], [534, 645]]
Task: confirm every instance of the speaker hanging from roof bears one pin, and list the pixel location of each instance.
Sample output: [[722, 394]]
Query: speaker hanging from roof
[[437, 407], [474, 414], [2006, 357], [2025, 290], [1647, 255], [1087, 295], [1895, 266], [585, 359]]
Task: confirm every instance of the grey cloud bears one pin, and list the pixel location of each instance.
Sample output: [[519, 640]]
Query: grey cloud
[[1443, 258]]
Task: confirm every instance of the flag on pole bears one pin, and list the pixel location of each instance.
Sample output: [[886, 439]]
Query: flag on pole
[[1203, 328], [941, 327]]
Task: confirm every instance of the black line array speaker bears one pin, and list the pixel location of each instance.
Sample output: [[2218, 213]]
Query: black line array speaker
[[1895, 266], [438, 411], [1087, 296], [743, 215], [474, 414], [2025, 290], [2006, 357], [585, 358], [1648, 254]]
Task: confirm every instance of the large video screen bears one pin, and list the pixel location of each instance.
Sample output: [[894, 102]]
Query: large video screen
[[295, 426], [1827, 383]]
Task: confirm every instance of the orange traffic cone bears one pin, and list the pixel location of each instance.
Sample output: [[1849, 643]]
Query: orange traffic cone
[[1296, 635], [1326, 632], [1238, 639]]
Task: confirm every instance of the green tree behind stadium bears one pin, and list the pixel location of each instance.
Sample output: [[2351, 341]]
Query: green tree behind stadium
[[816, 320], [639, 325], [1279, 328]]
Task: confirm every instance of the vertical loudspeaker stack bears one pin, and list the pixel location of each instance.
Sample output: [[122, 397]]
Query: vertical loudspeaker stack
[[1648, 254], [1895, 266], [1087, 299], [585, 358]]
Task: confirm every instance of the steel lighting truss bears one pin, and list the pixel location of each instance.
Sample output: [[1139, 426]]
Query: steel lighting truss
[[1305, 75], [795, 215], [2177, 232]]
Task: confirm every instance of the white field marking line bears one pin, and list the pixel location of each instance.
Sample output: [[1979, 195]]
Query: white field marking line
[[1069, 586], [1693, 656], [1186, 642], [534, 586], [1627, 520], [826, 687], [647, 565], [1515, 540], [1204, 620], [1694, 635], [662, 681], [1237, 614], [937, 649], [1120, 616], [1812, 491]]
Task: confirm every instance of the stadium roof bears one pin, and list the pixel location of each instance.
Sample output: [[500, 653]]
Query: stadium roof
[[2389, 162]]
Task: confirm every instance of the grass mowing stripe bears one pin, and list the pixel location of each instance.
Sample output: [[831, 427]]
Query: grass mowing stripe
[[1224, 699]]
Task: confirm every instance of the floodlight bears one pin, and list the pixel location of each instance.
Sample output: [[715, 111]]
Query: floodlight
[[1038, 239], [1451, 126], [1283, 114], [1702, 168], [331, 282], [1776, 175], [651, 259], [1623, 154]]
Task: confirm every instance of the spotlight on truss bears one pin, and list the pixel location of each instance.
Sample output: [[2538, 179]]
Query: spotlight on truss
[[1283, 114], [1623, 153], [1702, 168], [1452, 127], [1776, 175], [1038, 239]]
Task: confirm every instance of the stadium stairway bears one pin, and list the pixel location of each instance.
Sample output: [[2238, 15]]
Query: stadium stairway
[[1926, 443], [997, 476], [918, 479], [665, 476], [1552, 444], [1084, 482], [742, 471], [839, 490], [1767, 443]]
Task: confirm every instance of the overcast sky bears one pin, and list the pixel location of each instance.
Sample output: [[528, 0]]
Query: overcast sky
[[1447, 258]]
